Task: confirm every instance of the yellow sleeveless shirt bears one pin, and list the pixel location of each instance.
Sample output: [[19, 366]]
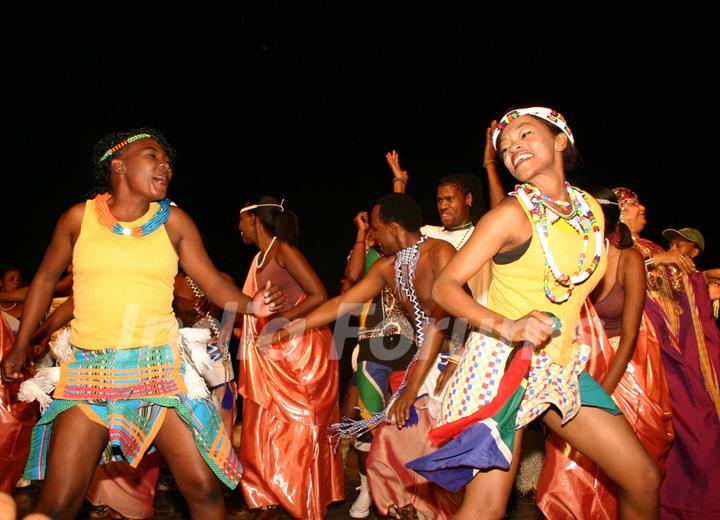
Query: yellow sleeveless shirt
[[122, 286], [517, 288]]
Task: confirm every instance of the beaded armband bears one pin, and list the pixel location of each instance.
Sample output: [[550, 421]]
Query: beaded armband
[[649, 263]]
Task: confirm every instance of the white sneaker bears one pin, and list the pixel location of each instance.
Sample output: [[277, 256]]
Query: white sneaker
[[361, 506]]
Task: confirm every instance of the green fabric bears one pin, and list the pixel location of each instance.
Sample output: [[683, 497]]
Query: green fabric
[[370, 258], [592, 394]]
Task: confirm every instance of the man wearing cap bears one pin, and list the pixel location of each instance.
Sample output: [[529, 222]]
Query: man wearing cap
[[689, 241], [686, 244]]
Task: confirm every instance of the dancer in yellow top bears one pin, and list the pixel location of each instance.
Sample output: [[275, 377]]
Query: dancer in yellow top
[[547, 247], [122, 391]]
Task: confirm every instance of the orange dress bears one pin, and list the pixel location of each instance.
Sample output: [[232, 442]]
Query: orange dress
[[572, 486], [16, 421], [290, 398]]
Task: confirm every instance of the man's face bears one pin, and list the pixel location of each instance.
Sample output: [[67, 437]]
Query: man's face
[[686, 247], [383, 233], [452, 206]]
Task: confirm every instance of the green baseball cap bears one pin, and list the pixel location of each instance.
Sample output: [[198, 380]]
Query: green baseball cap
[[686, 233]]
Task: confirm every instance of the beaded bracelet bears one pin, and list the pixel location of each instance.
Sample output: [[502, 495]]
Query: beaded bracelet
[[488, 162], [649, 263], [400, 179]]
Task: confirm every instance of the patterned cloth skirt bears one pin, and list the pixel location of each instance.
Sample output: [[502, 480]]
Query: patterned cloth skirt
[[128, 391], [493, 394]]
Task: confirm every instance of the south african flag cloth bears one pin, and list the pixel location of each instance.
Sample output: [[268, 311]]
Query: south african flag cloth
[[494, 393]]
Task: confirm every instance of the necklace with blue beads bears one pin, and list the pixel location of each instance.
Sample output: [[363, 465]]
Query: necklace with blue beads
[[107, 219]]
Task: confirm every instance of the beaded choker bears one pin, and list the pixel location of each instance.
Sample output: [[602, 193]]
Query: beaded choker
[[106, 218], [532, 199], [461, 226]]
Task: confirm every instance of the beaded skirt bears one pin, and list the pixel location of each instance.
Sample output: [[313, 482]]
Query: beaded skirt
[[128, 391]]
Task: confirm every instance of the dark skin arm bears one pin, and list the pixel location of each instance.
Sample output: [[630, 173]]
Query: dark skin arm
[[195, 262], [500, 229], [631, 275], [355, 267], [399, 411], [57, 320], [290, 257], [57, 257], [62, 288], [490, 163], [379, 275], [712, 275], [400, 176]]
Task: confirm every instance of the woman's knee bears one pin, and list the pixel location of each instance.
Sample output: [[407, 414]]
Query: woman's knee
[[644, 480], [486, 505], [200, 488]]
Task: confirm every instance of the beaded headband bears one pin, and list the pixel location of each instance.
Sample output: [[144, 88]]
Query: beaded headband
[[249, 208], [625, 197], [553, 117], [123, 144]]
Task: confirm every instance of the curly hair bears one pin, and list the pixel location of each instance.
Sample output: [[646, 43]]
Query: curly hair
[[102, 168], [400, 208]]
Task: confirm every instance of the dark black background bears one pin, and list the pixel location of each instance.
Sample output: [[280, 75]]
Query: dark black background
[[303, 103]]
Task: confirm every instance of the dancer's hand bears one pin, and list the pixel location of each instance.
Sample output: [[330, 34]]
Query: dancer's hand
[[361, 221], [267, 301], [393, 160], [535, 328], [267, 340], [675, 257], [19, 358], [489, 154], [445, 376], [399, 411], [714, 290]]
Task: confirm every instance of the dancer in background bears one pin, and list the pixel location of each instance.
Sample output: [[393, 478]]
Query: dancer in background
[[626, 360], [678, 305], [410, 263], [290, 393]]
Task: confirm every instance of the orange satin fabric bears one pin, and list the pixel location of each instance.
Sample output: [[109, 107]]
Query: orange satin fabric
[[290, 399], [16, 421], [571, 486], [392, 485]]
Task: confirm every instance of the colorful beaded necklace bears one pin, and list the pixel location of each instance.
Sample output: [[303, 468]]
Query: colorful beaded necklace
[[461, 226], [531, 197], [106, 218]]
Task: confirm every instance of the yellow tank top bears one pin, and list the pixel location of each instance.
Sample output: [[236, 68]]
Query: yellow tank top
[[517, 287], [122, 286]]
